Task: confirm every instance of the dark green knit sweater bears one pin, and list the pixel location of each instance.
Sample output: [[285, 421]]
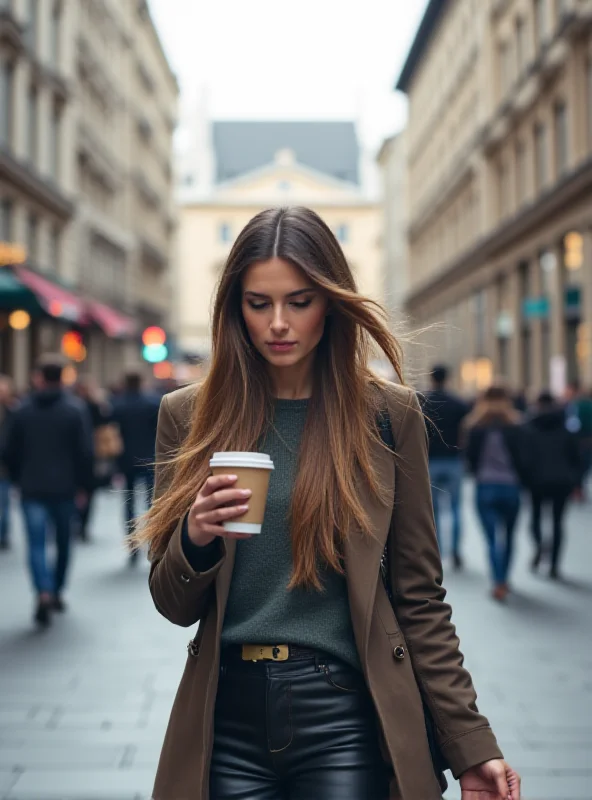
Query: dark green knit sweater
[[260, 609]]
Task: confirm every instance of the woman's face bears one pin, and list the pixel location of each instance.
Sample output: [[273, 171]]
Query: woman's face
[[283, 311]]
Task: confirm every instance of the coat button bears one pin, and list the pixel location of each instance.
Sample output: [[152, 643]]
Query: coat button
[[399, 652], [185, 578]]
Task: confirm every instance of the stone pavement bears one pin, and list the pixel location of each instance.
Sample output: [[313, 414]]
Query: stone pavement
[[83, 705]]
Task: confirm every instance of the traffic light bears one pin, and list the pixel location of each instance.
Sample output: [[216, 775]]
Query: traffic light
[[155, 349]]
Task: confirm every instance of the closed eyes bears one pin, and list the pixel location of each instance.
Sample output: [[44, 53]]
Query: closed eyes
[[259, 306]]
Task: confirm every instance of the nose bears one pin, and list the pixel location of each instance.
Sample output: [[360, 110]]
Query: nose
[[279, 323]]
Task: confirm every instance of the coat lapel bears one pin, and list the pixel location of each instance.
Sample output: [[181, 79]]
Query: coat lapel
[[363, 553]]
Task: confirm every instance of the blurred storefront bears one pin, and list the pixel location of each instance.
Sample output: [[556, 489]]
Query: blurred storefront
[[500, 174]]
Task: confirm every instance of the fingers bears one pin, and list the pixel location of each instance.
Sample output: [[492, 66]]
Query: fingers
[[514, 782], [501, 780], [216, 482], [221, 514], [222, 497]]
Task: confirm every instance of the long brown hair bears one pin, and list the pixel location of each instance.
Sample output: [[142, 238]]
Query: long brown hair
[[234, 404]]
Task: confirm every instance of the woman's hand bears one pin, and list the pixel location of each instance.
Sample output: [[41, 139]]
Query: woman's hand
[[493, 780], [211, 509]]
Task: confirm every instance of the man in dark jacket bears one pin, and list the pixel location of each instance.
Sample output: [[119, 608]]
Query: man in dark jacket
[[48, 453], [445, 413], [136, 413], [556, 468]]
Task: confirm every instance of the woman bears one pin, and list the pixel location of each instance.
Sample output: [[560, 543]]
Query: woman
[[332, 708], [496, 454], [556, 471]]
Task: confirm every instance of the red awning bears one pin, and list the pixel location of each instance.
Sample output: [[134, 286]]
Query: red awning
[[110, 321], [56, 300]]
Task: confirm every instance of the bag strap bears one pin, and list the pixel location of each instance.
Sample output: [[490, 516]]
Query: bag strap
[[386, 429], [383, 421]]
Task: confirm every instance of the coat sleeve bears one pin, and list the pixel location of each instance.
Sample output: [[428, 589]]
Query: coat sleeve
[[464, 735], [180, 593]]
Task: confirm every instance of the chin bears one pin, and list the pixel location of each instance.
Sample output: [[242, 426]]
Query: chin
[[282, 359]]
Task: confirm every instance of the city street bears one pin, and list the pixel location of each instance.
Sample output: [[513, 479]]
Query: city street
[[84, 705]]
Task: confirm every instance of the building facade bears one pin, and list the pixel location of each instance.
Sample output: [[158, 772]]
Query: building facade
[[392, 160], [257, 165], [87, 110], [500, 188]]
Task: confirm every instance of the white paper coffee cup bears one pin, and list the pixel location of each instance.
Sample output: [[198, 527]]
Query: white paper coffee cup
[[253, 471]]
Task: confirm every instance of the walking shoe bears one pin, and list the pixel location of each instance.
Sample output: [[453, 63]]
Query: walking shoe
[[43, 613]]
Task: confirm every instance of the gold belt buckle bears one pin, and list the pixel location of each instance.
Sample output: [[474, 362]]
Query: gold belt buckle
[[272, 652]]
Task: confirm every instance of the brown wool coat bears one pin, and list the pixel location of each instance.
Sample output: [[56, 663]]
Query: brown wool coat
[[420, 624]]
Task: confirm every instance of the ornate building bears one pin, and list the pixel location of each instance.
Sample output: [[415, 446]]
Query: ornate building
[[87, 112], [500, 188]]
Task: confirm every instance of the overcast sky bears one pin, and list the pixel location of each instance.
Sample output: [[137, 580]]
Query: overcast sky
[[304, 59]]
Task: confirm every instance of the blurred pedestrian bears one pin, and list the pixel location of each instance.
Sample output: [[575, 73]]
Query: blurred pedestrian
[[498, 458], [445, 413], [107, 445], [8, 405], [136, 413], [556, 470], [578, 409], [48, 452]]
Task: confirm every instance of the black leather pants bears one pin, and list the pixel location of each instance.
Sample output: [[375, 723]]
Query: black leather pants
[[295, 730]]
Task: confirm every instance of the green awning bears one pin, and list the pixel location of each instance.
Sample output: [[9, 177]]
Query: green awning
[[14, 295]]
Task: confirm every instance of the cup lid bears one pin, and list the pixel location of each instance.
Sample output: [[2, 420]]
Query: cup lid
[[241, 459]]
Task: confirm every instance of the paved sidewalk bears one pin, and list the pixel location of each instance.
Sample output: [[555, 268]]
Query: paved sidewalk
[[84, 705]]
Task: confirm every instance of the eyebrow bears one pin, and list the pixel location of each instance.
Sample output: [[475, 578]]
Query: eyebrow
[[291, 294]]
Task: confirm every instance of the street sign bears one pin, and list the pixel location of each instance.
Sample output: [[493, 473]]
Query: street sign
[[536, 307]]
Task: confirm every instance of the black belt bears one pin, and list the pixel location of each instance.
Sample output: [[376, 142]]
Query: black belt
[[267, 652]]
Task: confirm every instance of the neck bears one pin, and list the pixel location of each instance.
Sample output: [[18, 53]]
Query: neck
[[293, 383]]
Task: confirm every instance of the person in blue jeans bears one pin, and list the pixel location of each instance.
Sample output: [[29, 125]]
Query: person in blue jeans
[[445, 413], [497, 453], [48, 453]]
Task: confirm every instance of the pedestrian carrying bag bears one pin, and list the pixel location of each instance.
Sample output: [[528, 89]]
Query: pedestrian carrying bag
[[438, 760]]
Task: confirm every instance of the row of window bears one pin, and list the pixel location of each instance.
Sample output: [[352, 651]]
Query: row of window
[[31, 237], [225, 233], [547, 149], [514, 53], [32, 28], [33, 139]]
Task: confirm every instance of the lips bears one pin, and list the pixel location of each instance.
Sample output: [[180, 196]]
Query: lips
[[281, 347]]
